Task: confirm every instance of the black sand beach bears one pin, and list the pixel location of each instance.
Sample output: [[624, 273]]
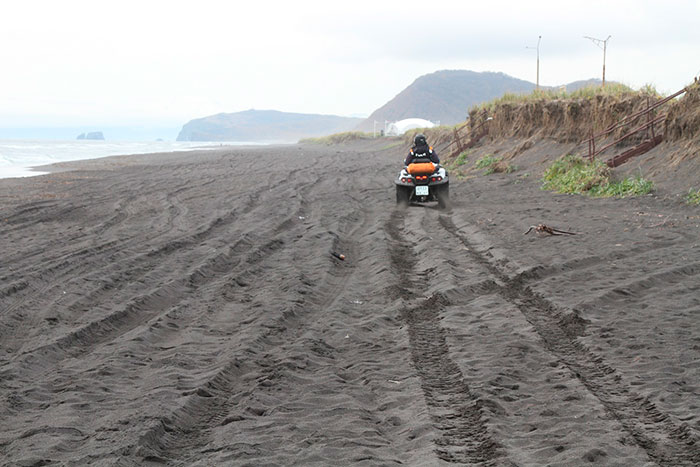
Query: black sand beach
[[185, 309]]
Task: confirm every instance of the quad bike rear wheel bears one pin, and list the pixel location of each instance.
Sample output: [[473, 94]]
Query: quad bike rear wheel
[[403, 195], [443, 196]]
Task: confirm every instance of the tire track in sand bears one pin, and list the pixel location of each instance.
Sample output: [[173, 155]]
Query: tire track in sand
[[103, 282], [665, 442], [455, 411], [109, 278], [179, 437], [164, 297]]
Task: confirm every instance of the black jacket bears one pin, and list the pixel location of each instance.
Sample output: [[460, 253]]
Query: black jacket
[[421, 152]]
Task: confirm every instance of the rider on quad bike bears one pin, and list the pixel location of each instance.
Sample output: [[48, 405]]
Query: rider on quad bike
[[421, 149], [423, 178]]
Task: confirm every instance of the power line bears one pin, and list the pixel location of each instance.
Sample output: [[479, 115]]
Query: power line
[[538, 60], [604, 48]]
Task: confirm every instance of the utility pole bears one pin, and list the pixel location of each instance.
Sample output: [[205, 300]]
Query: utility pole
[[538, 61], [598, 42]]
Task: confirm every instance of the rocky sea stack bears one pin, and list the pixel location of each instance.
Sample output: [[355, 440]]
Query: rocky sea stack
[[97, 135]]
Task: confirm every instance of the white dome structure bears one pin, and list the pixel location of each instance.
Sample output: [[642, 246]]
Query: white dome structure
[[402, 126]]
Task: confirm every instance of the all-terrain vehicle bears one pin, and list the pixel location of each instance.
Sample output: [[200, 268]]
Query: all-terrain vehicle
[[421, 182]]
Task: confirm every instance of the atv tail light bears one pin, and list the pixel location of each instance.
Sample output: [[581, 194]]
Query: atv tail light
[[406, 180], [436, 179]]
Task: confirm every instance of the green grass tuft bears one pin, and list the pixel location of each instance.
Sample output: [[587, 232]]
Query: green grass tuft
[[572, 174], [693, 197], [461, 159], [486, 162], [494, 164], [631, 186]]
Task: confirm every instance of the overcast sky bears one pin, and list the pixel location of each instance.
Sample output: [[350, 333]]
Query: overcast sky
[[165, 62]]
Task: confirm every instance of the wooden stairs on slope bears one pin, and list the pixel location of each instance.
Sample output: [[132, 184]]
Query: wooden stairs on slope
[[470, 138], [649, 140]]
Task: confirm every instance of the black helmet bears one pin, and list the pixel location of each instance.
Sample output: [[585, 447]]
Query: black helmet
[[419, 140]]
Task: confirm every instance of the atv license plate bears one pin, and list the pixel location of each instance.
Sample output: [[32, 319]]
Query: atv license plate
[[422, 190]]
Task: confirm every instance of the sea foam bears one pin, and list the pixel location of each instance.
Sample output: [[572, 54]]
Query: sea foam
[[18, 156]]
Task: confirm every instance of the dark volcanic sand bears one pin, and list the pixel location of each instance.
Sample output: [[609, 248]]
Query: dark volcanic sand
[[177, 309]]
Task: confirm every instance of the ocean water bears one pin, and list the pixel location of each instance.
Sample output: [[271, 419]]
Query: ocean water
[[18, 156]]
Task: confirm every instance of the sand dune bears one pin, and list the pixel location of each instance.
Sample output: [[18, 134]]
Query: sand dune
[[185, 309]]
